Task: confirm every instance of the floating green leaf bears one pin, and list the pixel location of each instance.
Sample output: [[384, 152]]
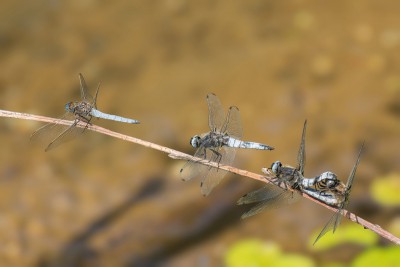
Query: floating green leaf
[[386, 190], [348, 233], [389, 256], [251, 253], [333, 264], [256, 253]]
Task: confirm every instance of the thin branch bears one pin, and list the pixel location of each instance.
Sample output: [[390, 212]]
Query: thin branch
[[180, 155]]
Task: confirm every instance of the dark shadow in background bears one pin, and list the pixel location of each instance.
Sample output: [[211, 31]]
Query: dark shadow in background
[[221, 215], [76, 252]]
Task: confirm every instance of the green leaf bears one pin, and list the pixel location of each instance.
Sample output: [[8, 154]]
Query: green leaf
[[333, 264], [348, 233], [389, 256], [252, 253], [290, 260], [385, 190]]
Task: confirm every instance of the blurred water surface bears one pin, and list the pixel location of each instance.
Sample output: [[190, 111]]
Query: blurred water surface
[[103, 202]]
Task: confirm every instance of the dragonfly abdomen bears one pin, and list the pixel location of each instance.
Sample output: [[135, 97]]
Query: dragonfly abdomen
[[232, 142], [98, 114], [327, 197]]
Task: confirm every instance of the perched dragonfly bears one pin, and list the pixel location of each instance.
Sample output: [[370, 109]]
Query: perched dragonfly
[[338, 197], [271, 196], [323, 187], [219, 145], [80, 112]]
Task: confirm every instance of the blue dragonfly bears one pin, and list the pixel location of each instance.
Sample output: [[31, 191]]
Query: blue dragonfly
[[219, 145], [80, 112]]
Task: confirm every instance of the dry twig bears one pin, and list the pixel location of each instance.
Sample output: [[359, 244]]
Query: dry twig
[[180, 155]]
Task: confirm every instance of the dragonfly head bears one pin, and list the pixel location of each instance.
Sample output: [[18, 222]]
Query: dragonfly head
[[195, 141], [69, 107], [276, 167], [330, 180]]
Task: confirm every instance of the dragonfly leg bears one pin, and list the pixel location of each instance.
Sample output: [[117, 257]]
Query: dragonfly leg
[[277, 181], [205, 153], [219, 156], [82, 118]]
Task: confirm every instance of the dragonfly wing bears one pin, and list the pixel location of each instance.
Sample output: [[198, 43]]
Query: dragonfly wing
[[215, 175], [56, 133], [272, 202], [332, 224], [85, 92], [262, 194], [353, 173], [216, 114], [301, 156], [192, 168], [69, 134], [233, 125]]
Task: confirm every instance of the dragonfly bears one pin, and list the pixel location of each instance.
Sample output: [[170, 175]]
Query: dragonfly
[[338, 197], [219, 145], [323, 187], [80, 112], [273, 195]]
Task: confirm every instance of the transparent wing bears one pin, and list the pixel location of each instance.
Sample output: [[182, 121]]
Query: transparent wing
[[332, 224], [56, 134], [215, 175], [85, 92], [353, 173], [272, 202], [233, 124], [95, 96], [262, 194], [192, 168], [216, 114], [301, 156]]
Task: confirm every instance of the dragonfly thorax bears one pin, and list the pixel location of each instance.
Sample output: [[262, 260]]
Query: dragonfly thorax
[[81, 109]]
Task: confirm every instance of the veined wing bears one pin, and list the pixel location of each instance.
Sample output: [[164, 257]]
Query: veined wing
[[215, 175], [301, 156], [57, 133], [216, 114], [269, 197], [192, 168], [85, 95], [332, 224], [352, 174], [233, 125], [262, 194]]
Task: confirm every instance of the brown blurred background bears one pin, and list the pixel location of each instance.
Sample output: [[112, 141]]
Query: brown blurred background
[[99, 201]]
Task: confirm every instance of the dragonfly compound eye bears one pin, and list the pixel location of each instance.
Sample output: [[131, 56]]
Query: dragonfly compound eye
[[331, 184], [195, 141], [276, 167], [331, 180], [69, 107]]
